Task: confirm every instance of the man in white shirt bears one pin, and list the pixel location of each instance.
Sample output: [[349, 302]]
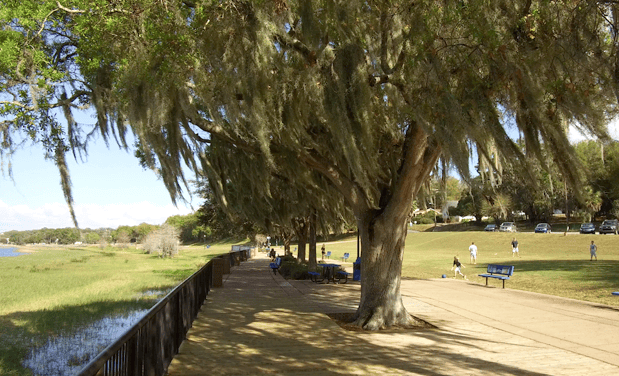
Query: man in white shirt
[[473, 250]]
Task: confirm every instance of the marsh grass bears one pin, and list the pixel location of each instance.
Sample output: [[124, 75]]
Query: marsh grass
[[57, 291]]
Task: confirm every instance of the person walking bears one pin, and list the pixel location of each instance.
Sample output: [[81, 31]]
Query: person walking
[[473, 251], [515, 250], [324, 251], [593, 250], [272, 254], [457, 265]]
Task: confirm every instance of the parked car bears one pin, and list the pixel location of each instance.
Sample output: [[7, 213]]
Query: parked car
[[587, 228], [490, 228], [543, 228], [507, 227], [609, 226]]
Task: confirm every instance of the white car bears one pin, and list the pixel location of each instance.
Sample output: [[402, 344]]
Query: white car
[[507, 227]]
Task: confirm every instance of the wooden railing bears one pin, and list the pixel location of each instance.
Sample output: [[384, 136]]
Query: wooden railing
[[148, 347]]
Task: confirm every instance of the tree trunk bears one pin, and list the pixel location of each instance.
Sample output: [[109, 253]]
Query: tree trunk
[[312, 242], [383, 231], [300, 226], [302, 243], [382, 248]]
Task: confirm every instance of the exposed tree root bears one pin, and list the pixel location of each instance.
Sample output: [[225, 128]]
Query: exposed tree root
[[348, 322]]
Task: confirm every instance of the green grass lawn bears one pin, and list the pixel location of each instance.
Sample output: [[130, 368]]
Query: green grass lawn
[[57, 290], [550, 263]]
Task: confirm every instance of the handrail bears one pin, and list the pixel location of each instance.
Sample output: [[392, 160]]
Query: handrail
[[147, 348]]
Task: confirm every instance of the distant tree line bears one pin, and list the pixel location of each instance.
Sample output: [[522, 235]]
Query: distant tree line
[[205, 225], [538, 199], [50, 236]]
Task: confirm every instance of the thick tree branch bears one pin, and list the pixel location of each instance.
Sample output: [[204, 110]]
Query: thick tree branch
[[352, 193], [385, 29], [419, 158], [298, 46], [218, 132], [60, 103]]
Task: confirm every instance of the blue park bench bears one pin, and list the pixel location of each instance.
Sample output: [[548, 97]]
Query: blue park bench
[[501, 272], [341, 275], [345, 257], [275, 265], [315, 275]]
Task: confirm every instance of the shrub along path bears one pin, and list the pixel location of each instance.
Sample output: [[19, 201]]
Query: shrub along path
[[259, 323]]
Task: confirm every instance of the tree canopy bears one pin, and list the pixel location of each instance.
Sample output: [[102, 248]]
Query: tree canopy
[[355, 99]]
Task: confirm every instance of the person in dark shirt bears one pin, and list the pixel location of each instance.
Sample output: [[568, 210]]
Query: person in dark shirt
[[457, 265], [515, 250]]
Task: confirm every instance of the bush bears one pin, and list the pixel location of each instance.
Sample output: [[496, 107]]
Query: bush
[[424, 220], [292, 269], [163, 241], [122, 239], [428, 218]]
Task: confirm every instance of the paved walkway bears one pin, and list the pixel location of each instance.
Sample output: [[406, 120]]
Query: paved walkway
[[259, 323]]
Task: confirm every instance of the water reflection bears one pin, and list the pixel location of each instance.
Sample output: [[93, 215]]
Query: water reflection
[[67, 355], [158, 294]]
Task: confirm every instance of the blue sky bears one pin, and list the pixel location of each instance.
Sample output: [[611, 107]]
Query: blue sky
[[110, 189]]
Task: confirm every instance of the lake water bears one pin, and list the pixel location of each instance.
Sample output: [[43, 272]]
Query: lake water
[[10, 252]]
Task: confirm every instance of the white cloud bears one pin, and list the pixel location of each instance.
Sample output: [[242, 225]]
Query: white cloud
[[56, 215]]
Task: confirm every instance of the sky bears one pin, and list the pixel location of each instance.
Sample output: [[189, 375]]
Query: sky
[[110, 189]]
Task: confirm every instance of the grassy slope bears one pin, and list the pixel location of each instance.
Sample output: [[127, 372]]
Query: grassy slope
[[56, 290], [550, 263]]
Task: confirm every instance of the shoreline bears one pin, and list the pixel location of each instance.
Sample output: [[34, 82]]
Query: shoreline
[[18, 248]]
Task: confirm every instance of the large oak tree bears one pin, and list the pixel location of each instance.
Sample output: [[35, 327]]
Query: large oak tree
[[363, 95]]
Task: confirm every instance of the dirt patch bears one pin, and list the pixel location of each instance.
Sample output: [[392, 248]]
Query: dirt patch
[[25, 250], [345, 319]]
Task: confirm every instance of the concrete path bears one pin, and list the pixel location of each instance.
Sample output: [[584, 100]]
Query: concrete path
[[259, 323]]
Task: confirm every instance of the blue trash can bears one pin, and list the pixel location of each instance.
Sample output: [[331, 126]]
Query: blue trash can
[[356, 270]]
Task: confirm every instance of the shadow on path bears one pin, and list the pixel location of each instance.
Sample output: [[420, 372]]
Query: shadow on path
[[265, 325]]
